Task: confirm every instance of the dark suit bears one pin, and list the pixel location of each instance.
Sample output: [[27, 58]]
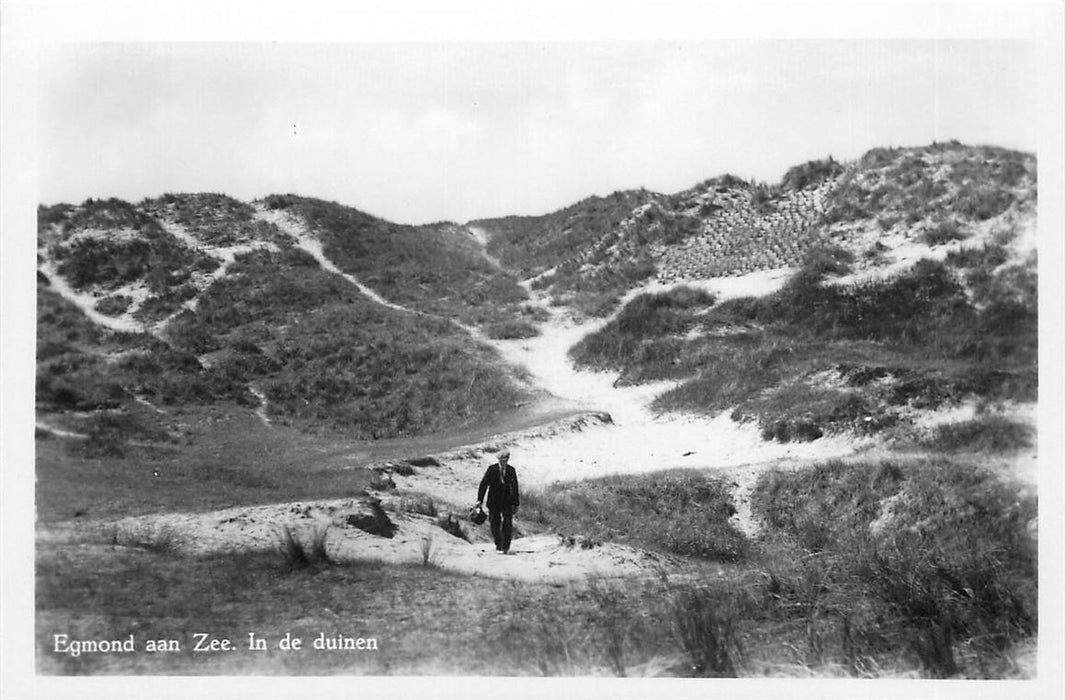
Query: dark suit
[[503, 499]]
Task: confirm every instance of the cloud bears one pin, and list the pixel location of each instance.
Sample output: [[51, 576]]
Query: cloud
[[441, 122], [420, 132]]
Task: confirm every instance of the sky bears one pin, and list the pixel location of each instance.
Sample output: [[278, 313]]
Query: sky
[[424, 131]]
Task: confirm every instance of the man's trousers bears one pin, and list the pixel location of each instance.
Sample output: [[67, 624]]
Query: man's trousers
[[502, 523]]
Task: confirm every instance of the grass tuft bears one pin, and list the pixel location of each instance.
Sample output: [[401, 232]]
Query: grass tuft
[[160, 539], [431, 557], [299, 552], [707, 633]]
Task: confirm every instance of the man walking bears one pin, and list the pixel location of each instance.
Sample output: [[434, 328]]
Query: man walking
[[501, 484]]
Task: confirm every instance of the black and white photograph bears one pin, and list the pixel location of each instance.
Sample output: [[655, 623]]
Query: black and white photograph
[[574, 349]]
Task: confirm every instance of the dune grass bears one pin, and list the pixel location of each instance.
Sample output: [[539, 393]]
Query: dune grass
[[680, 512], [646, 334], [436, 268], [920, 568], [322, 352], [568, 241], [931, 559], [233, 595], [972, 183], [935, 335], [988, 434]]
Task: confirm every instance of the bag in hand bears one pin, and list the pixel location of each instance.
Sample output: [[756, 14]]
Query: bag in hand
[[477, 515]]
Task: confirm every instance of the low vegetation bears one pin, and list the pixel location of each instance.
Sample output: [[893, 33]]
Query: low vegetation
[[920, 568], [534, 244], [215, 219], [679, 512], [645, 341], [916, 184], [818, 357], [930, 560], [110, 243], [590, 253], [81, 367], [323, 354], [437, 269]]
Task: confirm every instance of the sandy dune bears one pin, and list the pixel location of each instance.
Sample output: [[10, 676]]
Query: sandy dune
[[618, 435]]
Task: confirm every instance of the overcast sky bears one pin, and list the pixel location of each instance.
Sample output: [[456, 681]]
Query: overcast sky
[[419, 132]]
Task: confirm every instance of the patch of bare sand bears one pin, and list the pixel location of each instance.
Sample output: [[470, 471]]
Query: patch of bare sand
[[417, 539]]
